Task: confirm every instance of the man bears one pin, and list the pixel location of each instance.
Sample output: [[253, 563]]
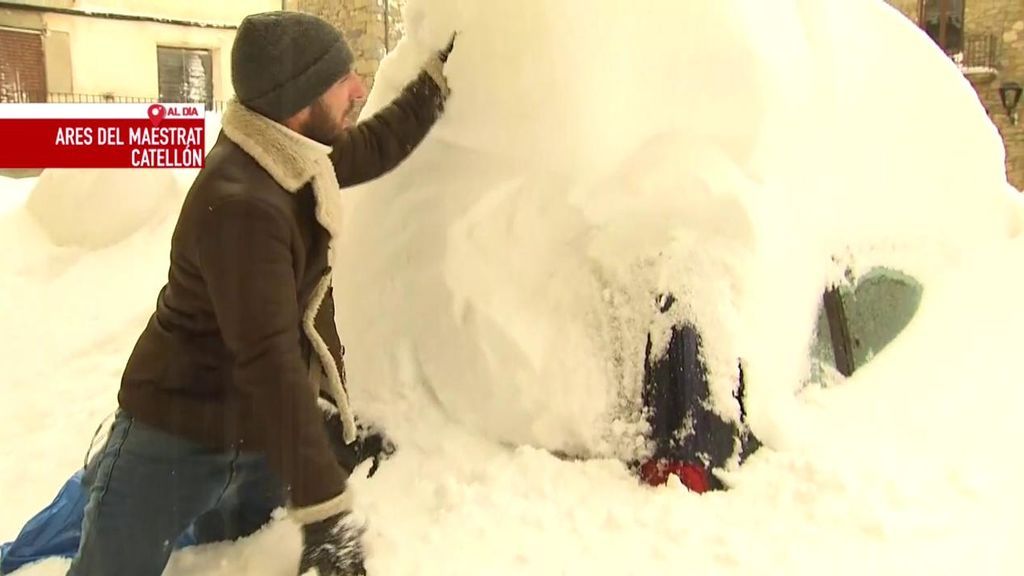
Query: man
[[221, 417]]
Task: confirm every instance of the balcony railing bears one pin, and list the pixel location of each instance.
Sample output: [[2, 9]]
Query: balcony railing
[[980, 54]]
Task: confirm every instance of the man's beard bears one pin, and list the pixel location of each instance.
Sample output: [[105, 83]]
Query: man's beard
[[321, 125]]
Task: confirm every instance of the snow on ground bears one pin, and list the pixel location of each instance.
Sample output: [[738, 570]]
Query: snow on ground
[[726, 155], [70, 315], [78, 282]]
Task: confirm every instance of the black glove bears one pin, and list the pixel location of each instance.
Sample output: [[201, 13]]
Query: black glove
[[369, 443], [333, 546], [373, 445]]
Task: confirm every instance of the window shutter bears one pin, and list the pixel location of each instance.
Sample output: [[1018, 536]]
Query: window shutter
[[22, 67]]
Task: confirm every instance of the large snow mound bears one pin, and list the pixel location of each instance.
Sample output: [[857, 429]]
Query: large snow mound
[[93, 209], [739, 155]]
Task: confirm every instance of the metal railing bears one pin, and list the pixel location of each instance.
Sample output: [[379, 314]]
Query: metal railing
[[78, 98], [73, 98]]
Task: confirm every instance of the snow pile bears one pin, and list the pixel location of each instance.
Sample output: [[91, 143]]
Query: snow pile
[[75, 206], [736, 155]]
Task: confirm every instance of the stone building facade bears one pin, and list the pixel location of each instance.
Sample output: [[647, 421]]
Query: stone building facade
[[986, 38], [372, 27]]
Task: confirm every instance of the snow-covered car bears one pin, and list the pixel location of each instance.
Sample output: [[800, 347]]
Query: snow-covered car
[[543, 268]]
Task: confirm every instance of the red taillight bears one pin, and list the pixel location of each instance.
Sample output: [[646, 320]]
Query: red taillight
[[656, 473]]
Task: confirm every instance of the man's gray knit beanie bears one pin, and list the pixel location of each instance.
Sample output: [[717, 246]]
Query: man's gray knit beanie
[[283, 61]]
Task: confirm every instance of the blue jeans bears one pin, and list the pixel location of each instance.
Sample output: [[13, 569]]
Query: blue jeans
[[147, 487]]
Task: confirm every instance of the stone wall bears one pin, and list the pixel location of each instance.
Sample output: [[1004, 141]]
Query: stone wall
[[1004, 20], [365, 23]]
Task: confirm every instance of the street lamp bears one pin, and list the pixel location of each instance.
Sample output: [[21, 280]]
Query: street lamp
[[1009, 93]]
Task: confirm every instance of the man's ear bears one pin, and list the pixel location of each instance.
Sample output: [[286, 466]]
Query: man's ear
[[296, 121]]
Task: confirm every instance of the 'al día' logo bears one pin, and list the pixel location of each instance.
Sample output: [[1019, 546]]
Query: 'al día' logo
[[157, 113]]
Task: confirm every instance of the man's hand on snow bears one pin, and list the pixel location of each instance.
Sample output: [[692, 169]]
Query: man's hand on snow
[[370, 443], [435, 67]]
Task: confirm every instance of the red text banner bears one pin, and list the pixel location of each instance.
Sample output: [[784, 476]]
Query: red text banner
[[102, 136]]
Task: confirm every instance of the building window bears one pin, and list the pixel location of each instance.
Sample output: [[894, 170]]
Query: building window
[[22, 67], [943, 20], [185, 75]]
